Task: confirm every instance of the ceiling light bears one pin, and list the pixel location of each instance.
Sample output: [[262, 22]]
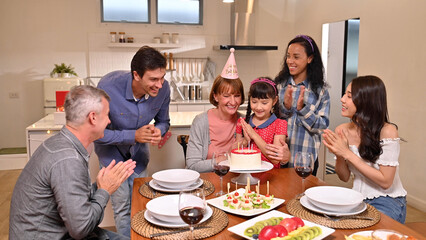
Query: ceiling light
[[228, 1]]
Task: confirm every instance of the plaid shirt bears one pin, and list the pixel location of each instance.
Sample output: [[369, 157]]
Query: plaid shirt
[[304, 126]]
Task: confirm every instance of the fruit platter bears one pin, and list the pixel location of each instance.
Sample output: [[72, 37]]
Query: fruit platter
[[276, 225]]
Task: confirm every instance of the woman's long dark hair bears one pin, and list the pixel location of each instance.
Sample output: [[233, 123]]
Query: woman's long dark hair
[[262, 90], [315, 69], [369, 97]]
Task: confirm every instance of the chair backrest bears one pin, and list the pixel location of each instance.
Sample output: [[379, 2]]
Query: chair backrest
[[183, 141]]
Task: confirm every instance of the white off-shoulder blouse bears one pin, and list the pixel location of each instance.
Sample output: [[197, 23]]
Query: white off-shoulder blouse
[[389, 157]]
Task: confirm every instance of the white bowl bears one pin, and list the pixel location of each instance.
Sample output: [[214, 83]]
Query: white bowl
[[334, 198], [165, 208], [176, 178]]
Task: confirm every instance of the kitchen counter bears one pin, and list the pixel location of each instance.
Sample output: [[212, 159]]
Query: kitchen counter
[[170, 155]]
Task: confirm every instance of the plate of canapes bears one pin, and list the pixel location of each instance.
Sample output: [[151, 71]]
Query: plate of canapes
[[246, 202]]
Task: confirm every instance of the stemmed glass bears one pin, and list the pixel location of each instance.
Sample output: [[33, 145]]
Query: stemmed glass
[[220, 167], [192, 206], [303, 164]]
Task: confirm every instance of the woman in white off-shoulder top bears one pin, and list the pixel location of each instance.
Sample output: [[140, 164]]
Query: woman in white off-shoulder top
[[369, 147]]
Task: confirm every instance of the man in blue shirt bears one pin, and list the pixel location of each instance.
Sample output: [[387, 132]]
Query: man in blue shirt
[[137, 97]]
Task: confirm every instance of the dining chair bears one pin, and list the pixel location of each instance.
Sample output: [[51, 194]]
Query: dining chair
[[183, 141]]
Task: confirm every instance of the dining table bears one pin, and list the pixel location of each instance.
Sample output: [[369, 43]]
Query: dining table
[[283, 183]]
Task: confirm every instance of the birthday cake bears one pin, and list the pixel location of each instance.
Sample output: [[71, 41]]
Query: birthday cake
[[245, 159]]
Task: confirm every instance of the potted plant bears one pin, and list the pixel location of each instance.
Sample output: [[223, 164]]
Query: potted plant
[[63, 71]]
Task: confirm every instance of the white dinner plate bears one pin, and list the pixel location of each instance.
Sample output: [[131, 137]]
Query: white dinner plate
[[150, 218], [333, 198], [265, 166], [218, 202], [239, 228], [158, 187], [307, 204]]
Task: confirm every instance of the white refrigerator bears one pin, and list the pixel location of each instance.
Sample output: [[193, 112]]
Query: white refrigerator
[[51, 85]]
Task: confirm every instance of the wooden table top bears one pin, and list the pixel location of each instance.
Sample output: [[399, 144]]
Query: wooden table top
[[283, 183]]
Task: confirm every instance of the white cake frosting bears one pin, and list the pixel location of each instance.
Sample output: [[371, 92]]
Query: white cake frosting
[[245, 159]]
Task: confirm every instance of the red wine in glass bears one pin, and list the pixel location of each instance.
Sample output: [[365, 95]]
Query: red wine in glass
[[191, 215], [221, 170], [192, 204], [303, 171], [220, 167], [303, 164]]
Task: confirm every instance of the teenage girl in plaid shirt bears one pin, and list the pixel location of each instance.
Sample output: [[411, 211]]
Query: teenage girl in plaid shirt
[[303, 97]]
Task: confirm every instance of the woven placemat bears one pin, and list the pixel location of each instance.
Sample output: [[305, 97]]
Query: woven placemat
[[296, 209], [145, 190], [215, 224]]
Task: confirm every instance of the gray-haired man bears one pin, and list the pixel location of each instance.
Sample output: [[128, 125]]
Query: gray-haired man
[[53, 197]]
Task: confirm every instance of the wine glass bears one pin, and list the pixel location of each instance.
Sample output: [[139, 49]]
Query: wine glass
[[192, 206], [303, 164], [220, 167]]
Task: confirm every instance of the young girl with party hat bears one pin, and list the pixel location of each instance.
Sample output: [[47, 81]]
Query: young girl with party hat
[[263, 130]]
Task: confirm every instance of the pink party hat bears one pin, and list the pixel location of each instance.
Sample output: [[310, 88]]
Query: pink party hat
[[230, 70]]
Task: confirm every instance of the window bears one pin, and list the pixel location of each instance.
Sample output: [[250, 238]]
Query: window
[[180, 12], [136, 11]]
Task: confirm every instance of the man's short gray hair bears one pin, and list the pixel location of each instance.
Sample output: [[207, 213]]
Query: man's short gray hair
[[81, 100]]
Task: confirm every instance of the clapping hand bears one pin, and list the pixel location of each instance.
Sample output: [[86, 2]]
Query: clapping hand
[[288, 97], [111, 177], [336, 143], [148, 134], [300, 100]]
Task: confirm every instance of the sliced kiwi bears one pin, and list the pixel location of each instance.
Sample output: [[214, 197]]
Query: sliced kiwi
[[310, 233], [250, 231], [317, 230], [270, 221]]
